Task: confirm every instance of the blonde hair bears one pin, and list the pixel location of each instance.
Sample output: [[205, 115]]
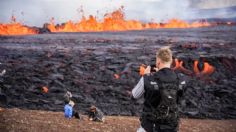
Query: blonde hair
[[165, 55]]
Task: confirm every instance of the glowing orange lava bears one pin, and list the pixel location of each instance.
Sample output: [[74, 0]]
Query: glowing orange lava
[[207, 69], [15, 28], [45, 89], [179, 66], [142, 69], [116, 21], [116, 76]]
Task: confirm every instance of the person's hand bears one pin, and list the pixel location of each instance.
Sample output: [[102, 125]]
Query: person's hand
[[156, 69], [129, 93], [147, 70]]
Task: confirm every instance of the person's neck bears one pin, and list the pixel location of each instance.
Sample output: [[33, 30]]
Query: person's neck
[[164, 66]]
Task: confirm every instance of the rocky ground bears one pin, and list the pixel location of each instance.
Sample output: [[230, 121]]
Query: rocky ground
[[99, 68], [15, 120]]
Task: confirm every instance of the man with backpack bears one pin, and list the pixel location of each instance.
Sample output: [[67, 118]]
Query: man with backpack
[[161, 90]]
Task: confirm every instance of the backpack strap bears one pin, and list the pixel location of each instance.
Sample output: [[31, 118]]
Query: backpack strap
[[163, 113]]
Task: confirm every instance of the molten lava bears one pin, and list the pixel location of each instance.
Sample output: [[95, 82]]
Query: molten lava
[[15, 28], [45, 89], [116, 76], [195, 67], [142, 69], [116, 21], [179, 66], [207, 69]]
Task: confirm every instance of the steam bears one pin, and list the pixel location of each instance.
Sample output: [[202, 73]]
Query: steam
[[209, 4], [36, 13], [213, 9]]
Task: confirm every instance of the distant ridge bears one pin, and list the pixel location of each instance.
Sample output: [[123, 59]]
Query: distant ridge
[[227, 14]]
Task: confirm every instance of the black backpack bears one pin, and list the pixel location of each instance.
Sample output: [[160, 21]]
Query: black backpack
[[166, 111]]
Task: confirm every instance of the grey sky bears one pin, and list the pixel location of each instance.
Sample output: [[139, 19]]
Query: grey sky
[[37, 12]]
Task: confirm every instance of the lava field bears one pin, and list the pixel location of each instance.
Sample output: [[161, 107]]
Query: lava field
[[99, 68]]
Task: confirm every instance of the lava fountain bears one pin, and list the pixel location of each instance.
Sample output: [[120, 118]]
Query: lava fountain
[[116, 21], [15, 28]]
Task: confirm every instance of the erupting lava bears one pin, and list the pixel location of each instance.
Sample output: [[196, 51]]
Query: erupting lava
[[115, 21], [15, 28]]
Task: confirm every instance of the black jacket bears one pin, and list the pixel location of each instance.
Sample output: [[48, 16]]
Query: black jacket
[[152, 85]]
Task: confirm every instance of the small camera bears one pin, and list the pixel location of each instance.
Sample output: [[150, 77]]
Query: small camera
[[153, 68]]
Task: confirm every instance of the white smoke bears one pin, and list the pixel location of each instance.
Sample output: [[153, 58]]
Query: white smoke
[[209, 4]]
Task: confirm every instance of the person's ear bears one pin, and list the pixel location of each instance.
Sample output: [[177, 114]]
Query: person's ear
[[157, 62]]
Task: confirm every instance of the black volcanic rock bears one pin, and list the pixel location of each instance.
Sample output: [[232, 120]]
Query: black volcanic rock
[[86, 68]]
